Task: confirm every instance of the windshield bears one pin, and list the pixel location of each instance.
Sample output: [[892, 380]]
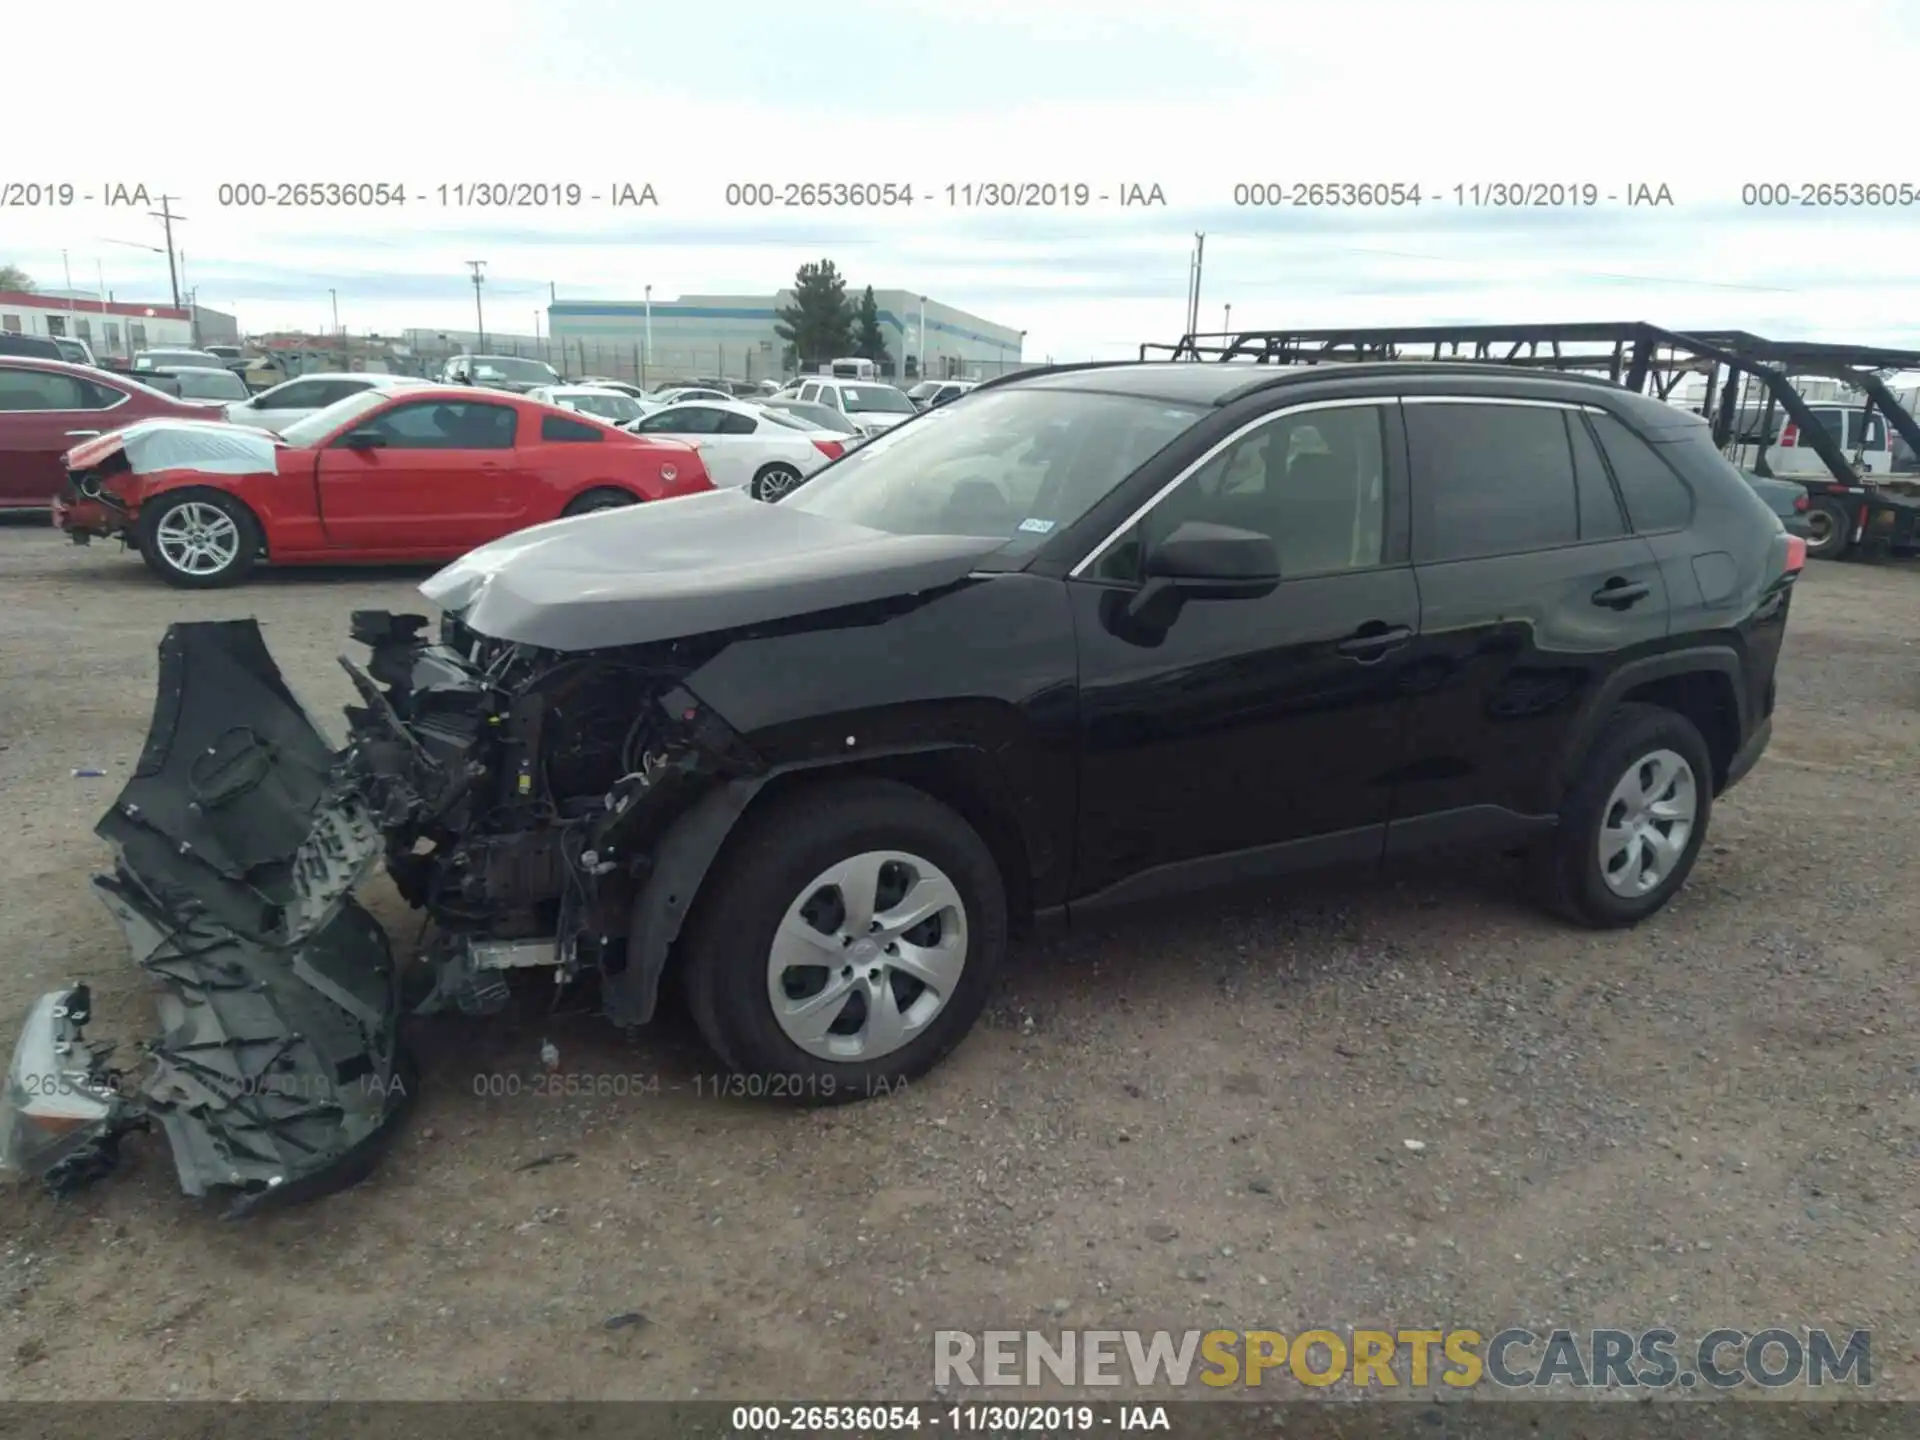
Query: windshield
[[210, 385], [871, 398], [155, 358], [923, 389], [509, 367], [72, 350], [1017, 464], [617, 408], [322, 423]]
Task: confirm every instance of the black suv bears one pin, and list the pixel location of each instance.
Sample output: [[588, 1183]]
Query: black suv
[[1099, 634]]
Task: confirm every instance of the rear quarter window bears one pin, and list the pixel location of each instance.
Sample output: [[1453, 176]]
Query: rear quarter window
[[558, 429], [1656, 497]]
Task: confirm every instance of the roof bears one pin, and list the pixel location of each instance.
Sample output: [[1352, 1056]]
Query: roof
[[584, 390]]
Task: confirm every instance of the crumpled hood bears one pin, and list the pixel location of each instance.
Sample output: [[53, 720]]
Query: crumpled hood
[[210, 445], [689, 566]]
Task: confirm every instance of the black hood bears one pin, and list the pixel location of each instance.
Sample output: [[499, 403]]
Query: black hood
[[689, 566]]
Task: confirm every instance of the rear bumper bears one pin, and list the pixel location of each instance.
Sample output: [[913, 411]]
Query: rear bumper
[[1748, 755]]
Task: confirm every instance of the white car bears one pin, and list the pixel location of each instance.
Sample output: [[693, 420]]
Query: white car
[[744, 445], [871, 407], [278, 407], [607, 382], [675, 394], [602, 402]]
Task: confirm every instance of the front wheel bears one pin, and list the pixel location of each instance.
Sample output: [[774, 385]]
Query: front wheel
[[1633, 823], [847, 942], [199, 539]]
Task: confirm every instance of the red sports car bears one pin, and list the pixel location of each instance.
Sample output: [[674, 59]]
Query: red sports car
[[49, 406], [425, 473]]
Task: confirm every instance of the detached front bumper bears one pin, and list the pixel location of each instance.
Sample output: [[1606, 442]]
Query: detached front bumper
[[277, 1071]]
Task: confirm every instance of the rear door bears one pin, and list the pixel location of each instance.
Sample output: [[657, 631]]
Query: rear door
[[1532, 589], [443, 477], [1868, 442], [43, 414]]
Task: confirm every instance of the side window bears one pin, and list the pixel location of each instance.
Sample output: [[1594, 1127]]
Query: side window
[[1656, 497], [684, 420], [1490, 480], [332, 390], [1314, 481], [732, 424], [1600, 517], [810, 393], [559, 429], [301, 395], [446, 425], [1829, 417], [1864, 434], [22, 389]]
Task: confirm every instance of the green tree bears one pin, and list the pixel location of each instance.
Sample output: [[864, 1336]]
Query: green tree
[[868, 342], [819, 322], [12, 277]]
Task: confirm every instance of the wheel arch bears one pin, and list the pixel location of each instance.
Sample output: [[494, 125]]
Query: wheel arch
[[963, 778], [153, 498], [1702, 684]]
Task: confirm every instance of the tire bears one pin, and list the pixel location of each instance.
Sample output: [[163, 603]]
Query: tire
[[1638, 741], [188, 528], [873, 829], [1831, 529], [604, 498], [774, 482]]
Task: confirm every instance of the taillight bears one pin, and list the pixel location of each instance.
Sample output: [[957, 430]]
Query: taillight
[[1800, 503], [1789, 435], [1796, 554], [832, 449]]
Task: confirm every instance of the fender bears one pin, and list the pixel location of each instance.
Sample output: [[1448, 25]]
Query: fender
[[682, 858], [1694, 660]]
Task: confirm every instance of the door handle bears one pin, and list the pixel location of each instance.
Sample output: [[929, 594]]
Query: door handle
[[1618, 594], [1373, 640], [81, 434]]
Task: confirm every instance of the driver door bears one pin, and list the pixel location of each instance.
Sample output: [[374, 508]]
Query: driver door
[[1251, 736], [436, 477]]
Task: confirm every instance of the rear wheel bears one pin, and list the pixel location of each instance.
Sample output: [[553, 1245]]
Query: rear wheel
[[199, 539], [1829, 528], [774, 482], [847, 942], [606, 498], [1633, 823]]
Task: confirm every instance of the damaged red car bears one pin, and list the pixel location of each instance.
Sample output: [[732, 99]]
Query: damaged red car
[[381, 477]]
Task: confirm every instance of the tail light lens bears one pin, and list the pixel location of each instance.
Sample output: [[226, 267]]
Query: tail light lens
[[1796, 554], [1800, 503], [1789, 435], [832, 449]]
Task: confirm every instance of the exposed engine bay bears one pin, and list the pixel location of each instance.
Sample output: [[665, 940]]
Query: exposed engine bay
[[522, 799]]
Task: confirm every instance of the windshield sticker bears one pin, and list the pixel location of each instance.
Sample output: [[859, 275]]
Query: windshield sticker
[[1037, 527]]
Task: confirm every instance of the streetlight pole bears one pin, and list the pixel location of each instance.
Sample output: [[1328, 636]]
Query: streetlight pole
[[72, 321], [479, 318], [646, 353], [334, 296], [1226, 322], [923, 338]]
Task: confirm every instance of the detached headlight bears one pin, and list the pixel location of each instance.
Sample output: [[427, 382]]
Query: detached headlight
[[54, 1104]]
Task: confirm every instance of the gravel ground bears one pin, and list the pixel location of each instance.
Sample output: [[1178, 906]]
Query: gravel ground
[[1187, 1120]]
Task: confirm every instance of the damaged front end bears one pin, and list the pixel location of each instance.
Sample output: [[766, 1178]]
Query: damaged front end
[[517, 797]]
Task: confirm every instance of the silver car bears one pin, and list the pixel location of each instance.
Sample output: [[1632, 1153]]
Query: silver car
[[295, 399]]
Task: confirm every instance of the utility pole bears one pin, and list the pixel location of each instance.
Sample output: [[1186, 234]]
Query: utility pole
[[479, 319], [166, 217], [1193, 315]]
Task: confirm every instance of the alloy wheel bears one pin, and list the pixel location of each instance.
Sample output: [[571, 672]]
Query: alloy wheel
[[1647, 823], [197, 538], [868, 953], [775, 482]]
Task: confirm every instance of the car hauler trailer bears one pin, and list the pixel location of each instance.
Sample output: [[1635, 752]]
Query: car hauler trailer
[[1749, 397]]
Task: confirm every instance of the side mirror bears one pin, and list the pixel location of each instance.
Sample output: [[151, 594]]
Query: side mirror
[[1198, 561], [364, 440], [1215, 558]]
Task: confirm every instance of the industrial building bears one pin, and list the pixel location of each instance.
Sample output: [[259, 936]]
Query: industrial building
[[733, 336]]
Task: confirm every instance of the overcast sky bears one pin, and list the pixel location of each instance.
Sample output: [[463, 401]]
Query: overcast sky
[[1193, 97]]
